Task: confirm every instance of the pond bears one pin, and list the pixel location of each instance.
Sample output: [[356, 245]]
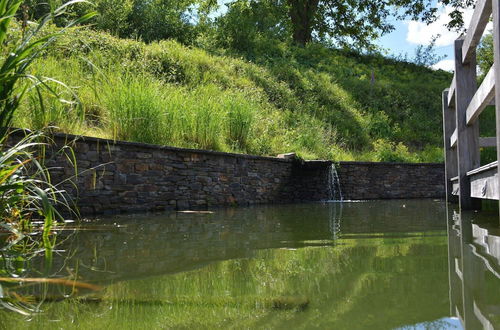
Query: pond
[[358, 265]]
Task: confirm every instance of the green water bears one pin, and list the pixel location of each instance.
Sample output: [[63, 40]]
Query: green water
[[366, 265]]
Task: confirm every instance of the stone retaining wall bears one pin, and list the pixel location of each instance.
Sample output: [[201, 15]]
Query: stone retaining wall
[[114, 177], [367, 180]]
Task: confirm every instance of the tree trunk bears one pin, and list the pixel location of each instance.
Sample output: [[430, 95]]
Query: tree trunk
[[302, 15]]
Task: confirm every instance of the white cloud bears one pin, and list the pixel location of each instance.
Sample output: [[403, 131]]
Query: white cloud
[[420, 33], [447, 65]]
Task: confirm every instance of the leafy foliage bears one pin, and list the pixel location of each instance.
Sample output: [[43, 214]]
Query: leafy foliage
[[148, 20]]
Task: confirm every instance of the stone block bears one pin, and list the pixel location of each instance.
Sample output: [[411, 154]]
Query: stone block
[[141, 167]]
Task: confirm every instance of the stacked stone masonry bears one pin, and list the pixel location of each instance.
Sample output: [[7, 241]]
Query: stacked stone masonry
[[367, 180], [115, 177]]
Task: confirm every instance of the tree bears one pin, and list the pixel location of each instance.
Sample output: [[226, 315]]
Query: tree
[[162, 19], [485, 54], [356, 22], [426, 55], [146, 19]]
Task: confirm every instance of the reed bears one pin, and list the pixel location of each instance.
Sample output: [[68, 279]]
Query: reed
[[26, 193]]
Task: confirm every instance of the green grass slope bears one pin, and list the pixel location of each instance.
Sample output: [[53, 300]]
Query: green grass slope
[[318, 102]]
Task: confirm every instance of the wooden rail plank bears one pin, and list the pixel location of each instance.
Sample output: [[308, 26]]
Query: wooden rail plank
[[483, 168], [456, 188], [451, 93], [484, 185], [478, 23], [453, 139], [482, 98], [467, 135], [484, 181], [488, 142]]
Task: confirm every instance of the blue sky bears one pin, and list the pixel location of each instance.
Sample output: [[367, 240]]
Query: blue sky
[[397, 43], [408, 35]]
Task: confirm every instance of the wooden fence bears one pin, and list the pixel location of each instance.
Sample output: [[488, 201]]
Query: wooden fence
[[463, 103]]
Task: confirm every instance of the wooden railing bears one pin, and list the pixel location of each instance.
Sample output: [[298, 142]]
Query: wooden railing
[[463, 103]]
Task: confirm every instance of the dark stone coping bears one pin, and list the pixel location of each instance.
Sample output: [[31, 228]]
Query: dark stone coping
[[71, 137], [307, 163], [388, 163], [316, 164]]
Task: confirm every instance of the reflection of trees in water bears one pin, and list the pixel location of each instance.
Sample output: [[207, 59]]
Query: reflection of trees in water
[[242, 259], [474, 263]]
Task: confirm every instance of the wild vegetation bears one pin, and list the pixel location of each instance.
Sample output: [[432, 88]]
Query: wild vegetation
[[173, 73], [319, 102], [28, 199]]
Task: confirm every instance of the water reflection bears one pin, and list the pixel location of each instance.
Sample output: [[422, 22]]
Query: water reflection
[[136, 246], [474, 270], [373, 265]]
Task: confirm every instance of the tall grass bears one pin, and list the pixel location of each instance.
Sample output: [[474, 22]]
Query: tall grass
[[145, 109], [135, 110], [315, 101]]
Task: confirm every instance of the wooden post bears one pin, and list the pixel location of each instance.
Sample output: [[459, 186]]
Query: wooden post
[[450, 155], [468, 136], [496, 45]]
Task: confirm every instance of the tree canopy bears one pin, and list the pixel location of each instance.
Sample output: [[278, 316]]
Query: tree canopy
[[344, 22]]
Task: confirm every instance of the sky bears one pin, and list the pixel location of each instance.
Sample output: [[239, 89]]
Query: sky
[[408, 35]]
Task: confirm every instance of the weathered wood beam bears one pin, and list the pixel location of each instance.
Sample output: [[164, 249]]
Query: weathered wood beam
[[488, 142], [482, 98], [451, 93], [484, 182], [453, 139], [478, 23], [450, 155], [467, 135], [456, 188], [484, 168]]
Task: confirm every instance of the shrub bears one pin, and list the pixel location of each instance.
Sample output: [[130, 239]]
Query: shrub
[[386, 151]]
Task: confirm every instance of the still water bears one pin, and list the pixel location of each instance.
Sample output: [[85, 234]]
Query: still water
[[365, 265]]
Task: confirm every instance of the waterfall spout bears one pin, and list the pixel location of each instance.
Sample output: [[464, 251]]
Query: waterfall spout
[[334, 190]]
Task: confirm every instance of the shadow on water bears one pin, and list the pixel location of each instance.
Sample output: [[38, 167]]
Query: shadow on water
[[366, 265]]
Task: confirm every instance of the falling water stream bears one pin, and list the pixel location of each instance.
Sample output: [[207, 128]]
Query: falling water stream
[[334, 190]]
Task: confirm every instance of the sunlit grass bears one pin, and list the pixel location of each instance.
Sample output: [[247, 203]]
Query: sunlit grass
[[166, 93]]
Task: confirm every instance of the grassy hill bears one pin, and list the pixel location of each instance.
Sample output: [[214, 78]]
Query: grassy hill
[[318, 102]]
